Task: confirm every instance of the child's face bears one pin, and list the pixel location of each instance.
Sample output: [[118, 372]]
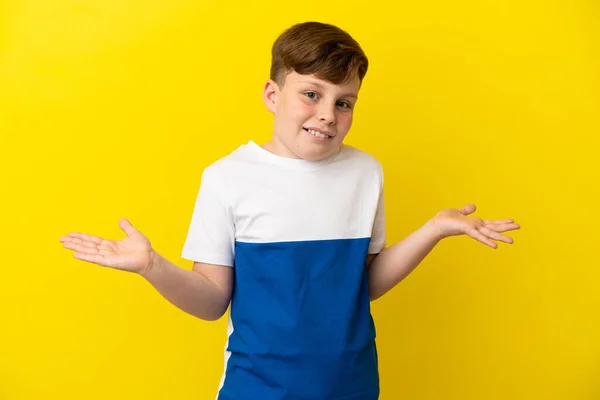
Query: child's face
[[307, 104]]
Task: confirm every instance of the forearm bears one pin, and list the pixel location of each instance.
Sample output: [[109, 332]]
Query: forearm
[[188, 290], [394, 263]]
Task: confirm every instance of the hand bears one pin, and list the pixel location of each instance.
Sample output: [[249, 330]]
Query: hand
[[453, 222], [133, 254]]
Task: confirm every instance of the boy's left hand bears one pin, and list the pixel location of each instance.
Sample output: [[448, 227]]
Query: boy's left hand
[[453, 222]]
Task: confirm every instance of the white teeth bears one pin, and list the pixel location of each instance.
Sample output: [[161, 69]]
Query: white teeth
[[317, 134]]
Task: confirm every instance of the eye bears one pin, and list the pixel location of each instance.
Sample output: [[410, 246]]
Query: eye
[[311, 95], [343, 104]]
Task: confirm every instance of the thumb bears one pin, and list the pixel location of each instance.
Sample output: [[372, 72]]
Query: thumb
[[126, 226], [468, 209]]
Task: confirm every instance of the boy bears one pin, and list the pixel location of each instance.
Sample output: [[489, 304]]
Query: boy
[[291, 234]]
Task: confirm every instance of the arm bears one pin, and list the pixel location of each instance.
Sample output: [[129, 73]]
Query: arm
[[394, 263], [204, 292]]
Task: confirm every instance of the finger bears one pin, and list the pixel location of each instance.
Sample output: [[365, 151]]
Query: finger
[[81, 248], [126, 226], [84, 236], [503, 227], [495, 235], [502, 221], [468, 209], [83, 243], [106, 247], [475, 234]]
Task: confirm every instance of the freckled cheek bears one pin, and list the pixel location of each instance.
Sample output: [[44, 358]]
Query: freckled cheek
[[300, 112], [344, 119], [303, 108]]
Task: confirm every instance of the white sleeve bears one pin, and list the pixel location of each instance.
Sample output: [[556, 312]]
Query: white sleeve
[[211, 234], [378, 234]]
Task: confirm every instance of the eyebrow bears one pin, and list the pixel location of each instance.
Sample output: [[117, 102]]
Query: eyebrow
[[317, 84]]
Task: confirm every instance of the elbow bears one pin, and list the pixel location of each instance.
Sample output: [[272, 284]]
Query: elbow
[[374, 293], [374, 296], [211, 318], [215, 314]]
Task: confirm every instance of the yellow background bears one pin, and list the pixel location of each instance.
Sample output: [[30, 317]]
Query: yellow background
[[113, 108]]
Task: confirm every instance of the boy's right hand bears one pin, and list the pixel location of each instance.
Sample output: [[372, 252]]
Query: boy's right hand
[[133, 253]]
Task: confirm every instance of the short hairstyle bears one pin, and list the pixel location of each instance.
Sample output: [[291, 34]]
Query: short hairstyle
[[324, 50]]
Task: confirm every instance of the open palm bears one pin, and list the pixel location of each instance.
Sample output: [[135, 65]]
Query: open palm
[[132, 253], [453, 221]]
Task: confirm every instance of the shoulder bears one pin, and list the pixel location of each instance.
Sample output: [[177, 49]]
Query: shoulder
[[228, 164]]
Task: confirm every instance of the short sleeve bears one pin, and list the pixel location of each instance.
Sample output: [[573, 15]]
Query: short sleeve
[[378, 234], [211, 234]]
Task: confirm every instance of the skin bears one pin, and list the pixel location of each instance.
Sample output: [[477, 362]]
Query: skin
[[302, 101], [305, 101]]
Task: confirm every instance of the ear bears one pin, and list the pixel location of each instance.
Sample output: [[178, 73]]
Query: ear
[[270, 93]]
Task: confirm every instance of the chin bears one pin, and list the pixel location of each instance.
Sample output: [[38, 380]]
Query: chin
[[315, 155]]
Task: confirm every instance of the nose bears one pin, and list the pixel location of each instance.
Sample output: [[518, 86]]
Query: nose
[[327, 114]]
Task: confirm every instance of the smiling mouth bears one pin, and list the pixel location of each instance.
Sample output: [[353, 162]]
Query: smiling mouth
[[318, 134]]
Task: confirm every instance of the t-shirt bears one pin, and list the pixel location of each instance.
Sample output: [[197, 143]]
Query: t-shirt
[[297, 234]]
